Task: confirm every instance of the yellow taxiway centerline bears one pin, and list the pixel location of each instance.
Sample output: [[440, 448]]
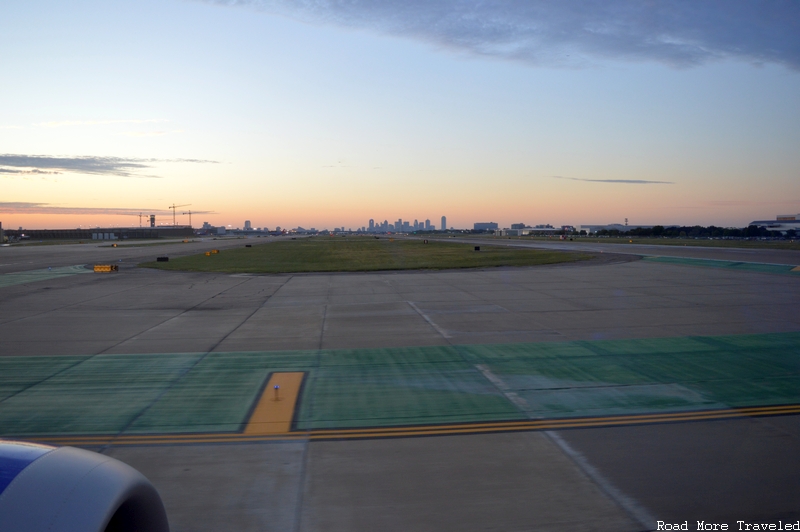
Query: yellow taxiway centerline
[[275, 409], [271, 421]]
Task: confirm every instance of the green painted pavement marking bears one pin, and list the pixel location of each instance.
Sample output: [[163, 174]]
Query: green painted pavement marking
[[786, 269], [646, 376], [217, 394], [19, 373], [101, 395], [344, 389], [398, 386], [32, 276]]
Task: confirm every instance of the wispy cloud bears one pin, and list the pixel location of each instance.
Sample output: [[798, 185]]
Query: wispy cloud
[[26, 172], [118, 166], [624, 181], [19, 207], [64, 123], [553, 32]]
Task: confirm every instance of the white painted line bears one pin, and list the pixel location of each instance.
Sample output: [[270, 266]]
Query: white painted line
[[430, 321], [630, 505]]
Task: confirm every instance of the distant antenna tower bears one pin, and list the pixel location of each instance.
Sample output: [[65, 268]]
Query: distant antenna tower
[[626, 222]]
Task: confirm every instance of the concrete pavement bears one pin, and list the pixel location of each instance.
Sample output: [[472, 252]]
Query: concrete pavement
[[603, 479]]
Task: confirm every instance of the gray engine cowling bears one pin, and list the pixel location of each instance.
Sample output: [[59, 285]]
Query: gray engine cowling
[[65, 489]]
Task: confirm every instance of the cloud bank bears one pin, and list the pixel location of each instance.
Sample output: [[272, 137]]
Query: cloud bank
[[679, 33], [117, 166], [21, 207], [624, 181]]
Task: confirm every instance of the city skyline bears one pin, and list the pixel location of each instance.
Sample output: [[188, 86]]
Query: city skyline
[[164, 220], [324, 117]]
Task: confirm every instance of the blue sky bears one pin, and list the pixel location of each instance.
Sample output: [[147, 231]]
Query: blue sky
[[327, 114]]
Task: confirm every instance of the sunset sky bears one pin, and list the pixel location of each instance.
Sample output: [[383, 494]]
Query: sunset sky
[[328, 113]]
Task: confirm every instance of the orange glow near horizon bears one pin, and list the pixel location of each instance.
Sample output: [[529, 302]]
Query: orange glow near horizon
[[462, 209]]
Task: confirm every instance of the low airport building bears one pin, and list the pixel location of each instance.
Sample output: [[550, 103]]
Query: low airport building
[[542, 229], [622, 228], [485, 226], [101, 233], [782, 223]]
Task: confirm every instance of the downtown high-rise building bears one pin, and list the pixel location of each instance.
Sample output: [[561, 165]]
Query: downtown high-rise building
[[401, 226], [444, 223]]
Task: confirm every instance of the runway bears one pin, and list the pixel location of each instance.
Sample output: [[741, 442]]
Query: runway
[[593, 245], [596, 396]]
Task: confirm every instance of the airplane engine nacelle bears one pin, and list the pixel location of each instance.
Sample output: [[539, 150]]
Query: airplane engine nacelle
[[66, 489]]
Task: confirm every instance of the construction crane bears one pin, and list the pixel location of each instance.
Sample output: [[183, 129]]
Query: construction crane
[[173, 207], [190, 216]]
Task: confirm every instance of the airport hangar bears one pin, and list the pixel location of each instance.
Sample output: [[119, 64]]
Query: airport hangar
[[516, 399]]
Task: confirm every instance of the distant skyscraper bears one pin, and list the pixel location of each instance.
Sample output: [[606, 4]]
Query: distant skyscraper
[[428, 225], [247, 225], [444, 223], [371, 225], [398, 225]]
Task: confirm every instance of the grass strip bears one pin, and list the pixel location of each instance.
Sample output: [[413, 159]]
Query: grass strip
[[358, 254]]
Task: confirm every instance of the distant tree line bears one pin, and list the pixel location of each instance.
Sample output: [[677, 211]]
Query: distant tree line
[[698, 231]]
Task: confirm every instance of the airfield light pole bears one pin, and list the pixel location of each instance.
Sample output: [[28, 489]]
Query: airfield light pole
[[173, 207]]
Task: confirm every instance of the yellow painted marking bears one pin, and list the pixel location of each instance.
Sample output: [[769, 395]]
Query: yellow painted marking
[[261, 432], [274, 412]]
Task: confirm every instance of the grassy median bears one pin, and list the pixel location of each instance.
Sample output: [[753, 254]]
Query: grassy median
[[327, 254]]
